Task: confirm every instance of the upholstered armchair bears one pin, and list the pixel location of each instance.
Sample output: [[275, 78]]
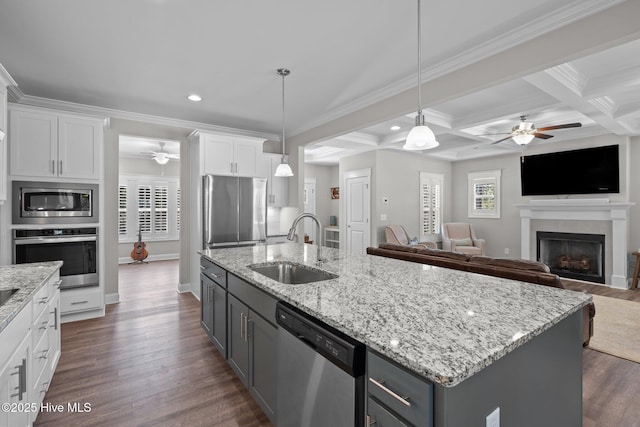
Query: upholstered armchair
[[397, 235], [460, 237]]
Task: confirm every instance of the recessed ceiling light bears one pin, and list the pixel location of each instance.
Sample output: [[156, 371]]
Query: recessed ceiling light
[[195, 98], [395, 127]]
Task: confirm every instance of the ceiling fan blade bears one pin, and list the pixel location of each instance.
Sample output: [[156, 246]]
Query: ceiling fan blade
[[500, 140], [542, 135], [565, 126]]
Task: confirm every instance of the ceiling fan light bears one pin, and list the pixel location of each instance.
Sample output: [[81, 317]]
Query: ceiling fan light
[[523, 139], [283, 170], [420, 138], [161, 158]]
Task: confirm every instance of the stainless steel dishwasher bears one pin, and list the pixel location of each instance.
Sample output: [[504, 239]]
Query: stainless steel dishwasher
[[320, 373]]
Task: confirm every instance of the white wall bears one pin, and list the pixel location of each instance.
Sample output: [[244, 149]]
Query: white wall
[[505, 232], [326, 177], [398, 179]]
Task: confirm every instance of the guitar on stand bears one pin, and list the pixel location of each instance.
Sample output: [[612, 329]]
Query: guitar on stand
[[139, 253]]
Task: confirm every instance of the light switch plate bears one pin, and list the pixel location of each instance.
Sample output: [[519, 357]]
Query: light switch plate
[[383, 217], [493, 419]]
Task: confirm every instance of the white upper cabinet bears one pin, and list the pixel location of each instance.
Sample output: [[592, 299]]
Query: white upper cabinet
[[46, 143], [277, 187], [3, 141], [5, 80], [225, 155]]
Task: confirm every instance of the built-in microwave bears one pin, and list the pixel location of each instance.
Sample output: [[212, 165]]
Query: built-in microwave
[[54, 203]]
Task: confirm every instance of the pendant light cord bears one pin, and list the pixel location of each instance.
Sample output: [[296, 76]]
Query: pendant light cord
[[419, 64], [283, 73]]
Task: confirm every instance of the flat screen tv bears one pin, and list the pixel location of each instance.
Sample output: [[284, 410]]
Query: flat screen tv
[[585, 171]]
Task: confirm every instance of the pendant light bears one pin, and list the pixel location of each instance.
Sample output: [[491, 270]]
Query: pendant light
[[283, 169], [420, 137]]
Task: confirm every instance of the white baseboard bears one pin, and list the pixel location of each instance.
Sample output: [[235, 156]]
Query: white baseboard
[[113, 298], [161, 257], [82, 315], [184, 287]]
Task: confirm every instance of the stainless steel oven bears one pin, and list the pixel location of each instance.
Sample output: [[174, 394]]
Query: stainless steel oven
[[54, 202], [76, 247]]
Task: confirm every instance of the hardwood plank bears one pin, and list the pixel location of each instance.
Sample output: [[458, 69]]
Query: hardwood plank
[[147, 362]]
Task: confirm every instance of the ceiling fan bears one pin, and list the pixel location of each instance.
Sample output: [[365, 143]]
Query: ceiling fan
[[162, 157], [525, 131]]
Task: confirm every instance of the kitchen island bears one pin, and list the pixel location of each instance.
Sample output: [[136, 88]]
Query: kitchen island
[[483, 342], [29, 338]]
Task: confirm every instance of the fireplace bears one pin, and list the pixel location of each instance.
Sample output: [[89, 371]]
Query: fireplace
[[573, 255]]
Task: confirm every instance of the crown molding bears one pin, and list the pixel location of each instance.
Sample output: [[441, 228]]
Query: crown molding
[[570, 77], [5, 77], [138, 117], [538, 26]]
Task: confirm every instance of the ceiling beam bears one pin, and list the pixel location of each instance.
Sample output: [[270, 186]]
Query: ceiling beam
[[616, 25]]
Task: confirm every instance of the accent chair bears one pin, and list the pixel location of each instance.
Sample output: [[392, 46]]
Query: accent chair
[[397, 235], [460, 237]]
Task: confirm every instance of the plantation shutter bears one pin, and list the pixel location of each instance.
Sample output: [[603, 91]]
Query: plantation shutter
[[431, 203], [144, 208], [160, 212], [122, 210]]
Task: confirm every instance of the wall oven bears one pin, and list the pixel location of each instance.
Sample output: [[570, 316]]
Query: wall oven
[[76, 247], [54, 203]]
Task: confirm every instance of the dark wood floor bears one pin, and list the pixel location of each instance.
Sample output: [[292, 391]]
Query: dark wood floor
[[147, 362]]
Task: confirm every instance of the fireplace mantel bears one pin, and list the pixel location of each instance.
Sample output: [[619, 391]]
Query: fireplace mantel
[[582, 210]]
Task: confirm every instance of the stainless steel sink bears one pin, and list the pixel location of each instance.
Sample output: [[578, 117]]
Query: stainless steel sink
[[292, 273], [5, 294]]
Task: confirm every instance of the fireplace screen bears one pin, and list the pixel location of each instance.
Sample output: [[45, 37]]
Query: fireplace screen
[[573, 255]]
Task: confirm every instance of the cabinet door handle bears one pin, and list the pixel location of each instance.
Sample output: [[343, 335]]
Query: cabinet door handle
[[211, 293], [402, 399], [242, 326], [79, 302], [55, 318], [53, 167], [231, 166], [370, 420], [22, 379], [44, 325], [60, 168], [57, 284], [45, 354], [43, 300]]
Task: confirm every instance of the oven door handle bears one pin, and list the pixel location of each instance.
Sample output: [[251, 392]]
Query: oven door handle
[[40, 240]]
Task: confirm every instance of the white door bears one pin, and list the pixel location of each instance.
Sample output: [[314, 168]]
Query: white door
[[358, 207], [310, 207]]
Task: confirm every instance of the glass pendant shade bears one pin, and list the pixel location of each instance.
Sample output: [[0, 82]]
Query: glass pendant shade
[[522, 139], [283, 170], [421, 137]]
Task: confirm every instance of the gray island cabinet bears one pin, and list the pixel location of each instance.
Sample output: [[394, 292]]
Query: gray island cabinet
[[444, 347]]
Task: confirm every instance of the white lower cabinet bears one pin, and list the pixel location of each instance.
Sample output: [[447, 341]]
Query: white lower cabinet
[[29, 354], [15, 354]]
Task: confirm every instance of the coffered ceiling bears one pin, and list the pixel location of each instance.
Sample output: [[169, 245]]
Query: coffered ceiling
[[143, 57]]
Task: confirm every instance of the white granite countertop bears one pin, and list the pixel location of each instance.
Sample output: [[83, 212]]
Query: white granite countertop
[[443, 324], [28, 279]]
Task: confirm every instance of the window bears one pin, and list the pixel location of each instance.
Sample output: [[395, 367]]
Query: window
[[122, 210], [430, 204], [484, 194], [150, 204]]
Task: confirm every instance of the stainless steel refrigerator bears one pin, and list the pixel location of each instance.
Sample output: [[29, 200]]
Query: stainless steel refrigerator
[[234, 211]]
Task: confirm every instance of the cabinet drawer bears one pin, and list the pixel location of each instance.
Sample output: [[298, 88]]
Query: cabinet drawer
[[378, 416], [40, 301], [41, 354], [213, 272], [40, 327], [73, 300], [259, 301], [399, 390]]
